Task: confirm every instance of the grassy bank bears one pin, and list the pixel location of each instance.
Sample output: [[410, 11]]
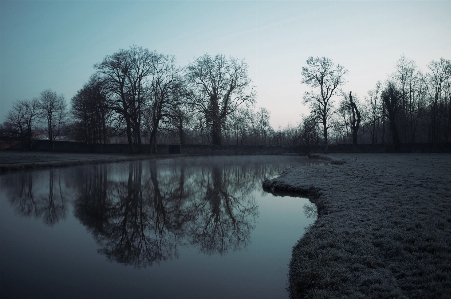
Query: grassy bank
[[383, 229], [17, 160]]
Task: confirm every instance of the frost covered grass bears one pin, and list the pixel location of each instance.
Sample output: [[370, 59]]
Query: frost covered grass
[[383, 227], [16, 160]]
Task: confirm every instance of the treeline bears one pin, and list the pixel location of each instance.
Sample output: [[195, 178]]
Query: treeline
[[409, 107], [140, 97]]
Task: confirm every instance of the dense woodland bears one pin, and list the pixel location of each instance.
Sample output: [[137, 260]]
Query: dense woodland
[[142, 98]]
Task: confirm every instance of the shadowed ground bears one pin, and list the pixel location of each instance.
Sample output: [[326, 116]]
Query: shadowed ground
[[383, 227]]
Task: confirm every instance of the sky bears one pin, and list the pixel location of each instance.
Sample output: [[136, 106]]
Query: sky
[[54, 44]]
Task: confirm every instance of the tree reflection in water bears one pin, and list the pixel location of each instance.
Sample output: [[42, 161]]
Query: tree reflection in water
[[224, 218], [127, 216], [144, 218], [38, 194], [140, 213]]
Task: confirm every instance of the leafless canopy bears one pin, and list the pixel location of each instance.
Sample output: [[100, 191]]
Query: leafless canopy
[[217, 87], [324, 77], [53, 112]]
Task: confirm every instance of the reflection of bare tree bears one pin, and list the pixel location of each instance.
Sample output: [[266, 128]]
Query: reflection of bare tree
[[140, 216], [129, 237], [135, 221], [44, 199], [53, 205], [225, 219], [21, 195], [170, 199], [92, 205], [143, 218]]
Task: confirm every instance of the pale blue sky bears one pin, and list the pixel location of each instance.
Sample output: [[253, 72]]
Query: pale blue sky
[[54, 44]]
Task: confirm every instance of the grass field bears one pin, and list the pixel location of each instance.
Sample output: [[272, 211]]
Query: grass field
[[383, 227]]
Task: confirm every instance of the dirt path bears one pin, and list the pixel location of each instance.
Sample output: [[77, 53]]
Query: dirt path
[[383, 230]]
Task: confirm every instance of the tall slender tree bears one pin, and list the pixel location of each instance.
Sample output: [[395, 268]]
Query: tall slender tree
[[408, 80], [353, 115], [324, 77], [53, 113], [439, 85], [392, 100]]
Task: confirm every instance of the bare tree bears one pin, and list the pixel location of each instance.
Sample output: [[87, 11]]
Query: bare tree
[[309, 131], [353, 115], [91, 112], [21, 120], [164, 94], [240, 124], [262, 119], [409, 83], [440, 89], [181, 119], [125, 74], [392, 100], [218, 87], [324, 77], [53, 113], [375, 113]]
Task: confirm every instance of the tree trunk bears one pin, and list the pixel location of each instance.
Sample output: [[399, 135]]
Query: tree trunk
[[326, 143], [434, 122], [129, 136], [181, 133], [354, 136], [153, 142], [138, 136], [373, 135], [216, 134], [395, 135], [214, 194]]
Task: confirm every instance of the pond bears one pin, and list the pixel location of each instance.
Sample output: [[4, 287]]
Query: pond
[[176, 228]]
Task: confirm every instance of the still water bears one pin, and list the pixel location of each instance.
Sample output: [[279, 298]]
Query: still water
[[176, 228]]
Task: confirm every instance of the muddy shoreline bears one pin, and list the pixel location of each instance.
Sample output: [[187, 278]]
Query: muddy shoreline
[[383, 227]]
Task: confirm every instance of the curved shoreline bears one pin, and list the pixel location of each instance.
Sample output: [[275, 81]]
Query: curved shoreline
[[383, 228]]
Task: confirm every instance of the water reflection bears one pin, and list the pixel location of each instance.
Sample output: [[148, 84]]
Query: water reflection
[[310, 210], [226, 213], [36, 196], [141, 213]]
